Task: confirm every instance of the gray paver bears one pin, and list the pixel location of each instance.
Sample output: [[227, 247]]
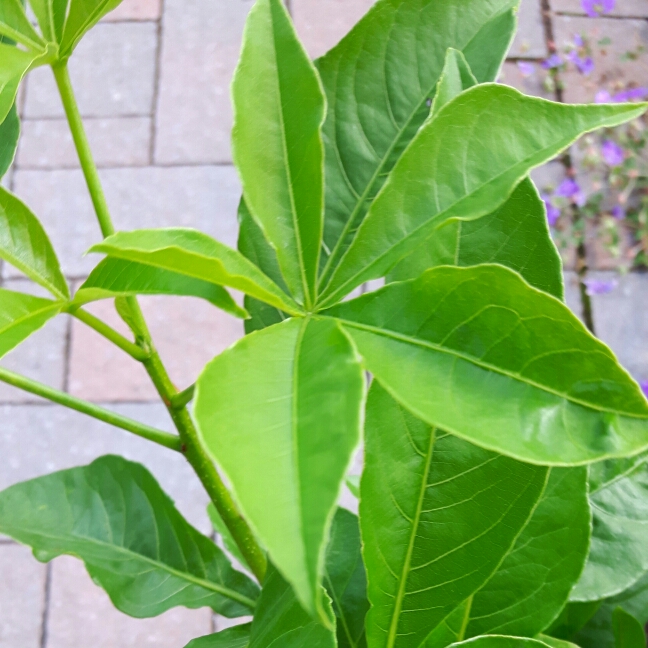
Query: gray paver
[[529, 84], [22, 597], [629, 8], [47, 144], [81, 615], [200, 47], [136, 10], [112, 74], [530, 38]]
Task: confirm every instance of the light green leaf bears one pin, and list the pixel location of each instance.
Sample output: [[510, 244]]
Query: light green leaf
[[81, 17], [379, 83], [516, 235], [280, 622], [455, 78], [119, 278], [345, 580], [21, 315], [438, 516], [280, 412], [223, 531], [500, 641], [353, 484], [113, 515], [51, 16], [464, 163], [193, 254], [277, 143], [236, 637], [14, 24], [619, 552], [456, 340], [9, 136], [628, 632], [552, 642], [24, 244]]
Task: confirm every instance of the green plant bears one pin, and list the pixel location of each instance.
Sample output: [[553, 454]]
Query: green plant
[[392, 156]]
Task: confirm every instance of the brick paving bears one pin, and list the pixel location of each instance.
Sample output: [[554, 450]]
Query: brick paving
[[153, 84]]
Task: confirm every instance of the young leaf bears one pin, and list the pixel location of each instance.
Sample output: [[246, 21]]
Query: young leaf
[[81, 17], [456, 340], [280, 621], [24, 244], [619, 552], [236, 637], [500, 641], [114, 516], [455, 78], [9, 136], [516, 235], [119, 278], [21, 315], [379, 81], [277, 142], [628, 632], [14, 24], [193, 254], [438, 516], [464, 163], [280, 412], [345, 580], [228, 540]]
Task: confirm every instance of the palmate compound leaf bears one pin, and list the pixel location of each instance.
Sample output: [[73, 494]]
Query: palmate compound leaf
[[463, 164], [456, 340], [438, 516], [236, 637], [15, 25], [280, 412], [114, 516]]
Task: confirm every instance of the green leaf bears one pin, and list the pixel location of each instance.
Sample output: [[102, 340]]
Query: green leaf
[[9, 136], [119, 278], [455, 78], [193, 254], [572, 618], [15, 25], [628, 632], [552, 642], [277, 142], [464, 163], [379, 82], [280, 622], [223, 531], [438, 516], [516, 235], [236, 637], [21, 315], [619, 552], [51, 16], [24, 244], [345, 580], [81, 17], [353, 484], [280, 412], [114, 516], [500, 641], [456, 340]]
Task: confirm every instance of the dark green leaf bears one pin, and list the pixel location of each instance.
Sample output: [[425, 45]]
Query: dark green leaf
[[114, 516], [628, 632], [280, 412], [456, 340], [277, 143], [572, 618], [9, 136], [438, 516], [236, 637]]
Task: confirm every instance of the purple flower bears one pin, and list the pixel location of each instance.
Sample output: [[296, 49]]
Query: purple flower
[[571, 189], [526, 68], [594, 8], [600, 286], [578, 40], [553, 61], [613, 154], [618, 212], [644, 387], [585, 65], [553, 213], [603, 96], [629, 95]]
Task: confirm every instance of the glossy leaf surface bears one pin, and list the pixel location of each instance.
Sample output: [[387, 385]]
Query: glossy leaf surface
[[120, 278], [236, 637], [277, 142], [9, 136], [516, 235], [113, 515], [464, 163], [21, 315], [453, 342], [619, 552], [195, 255], [281, 412], [628, 632], [379, 82], [438, 515], [24, 244]]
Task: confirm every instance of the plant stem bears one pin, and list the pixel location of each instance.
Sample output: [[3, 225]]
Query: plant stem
[[191, 445], [183, 398], [165, 439]]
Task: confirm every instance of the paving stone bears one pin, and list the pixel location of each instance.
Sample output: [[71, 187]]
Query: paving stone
[[205, 198], [321, 24], [47, 144], [187, 332], [200, 48], [530, 38], [112, 72], [60, 438], [572, 293], [610, 72], [136, 10], [81, 614], [22, 597], [629, 8], [532, 85]]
